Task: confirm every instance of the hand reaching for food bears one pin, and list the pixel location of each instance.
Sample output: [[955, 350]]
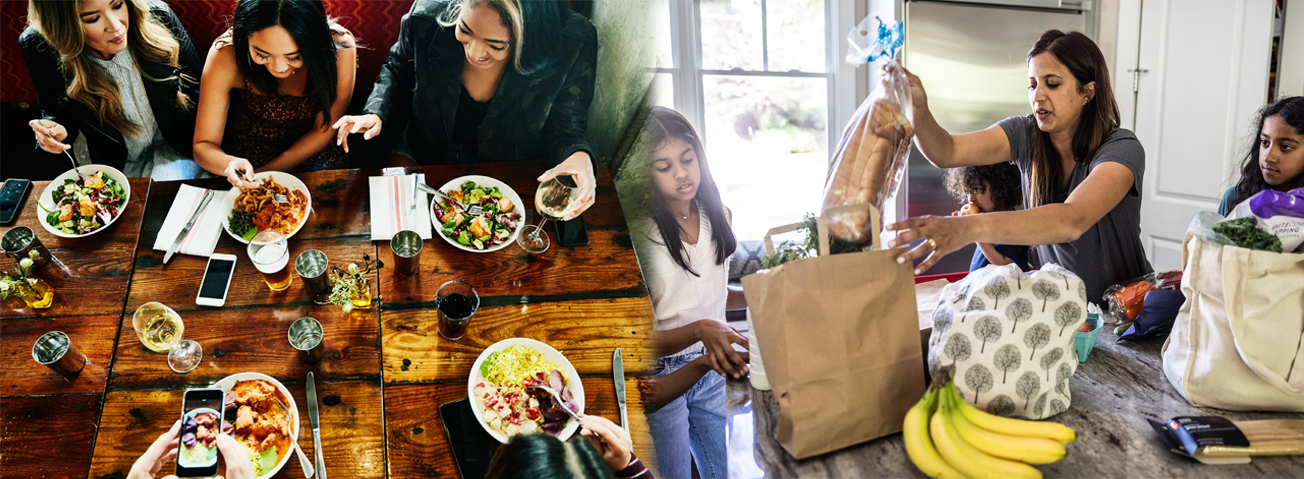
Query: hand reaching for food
[[162, 451], [237, 168], [50, 135], [611, 441]]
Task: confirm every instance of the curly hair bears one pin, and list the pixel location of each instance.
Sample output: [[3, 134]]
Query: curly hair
[[1002, 180]]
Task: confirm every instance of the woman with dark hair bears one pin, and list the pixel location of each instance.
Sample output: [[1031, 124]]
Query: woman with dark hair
[[607, 452], [488, 80], [116, 81], [683, 240], [1081, 173], [1276, 159], [272, 88]]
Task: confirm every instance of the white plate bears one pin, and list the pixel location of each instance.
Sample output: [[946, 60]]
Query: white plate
[[567, 371], [47, 196], [284, 179], [479, 181], [226, 383]]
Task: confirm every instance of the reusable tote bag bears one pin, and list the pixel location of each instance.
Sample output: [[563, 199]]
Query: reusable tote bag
[[1236, 342], [841, 341], [1008, 335]]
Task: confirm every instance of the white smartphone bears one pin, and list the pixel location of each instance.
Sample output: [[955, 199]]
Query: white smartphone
[[217, 279]]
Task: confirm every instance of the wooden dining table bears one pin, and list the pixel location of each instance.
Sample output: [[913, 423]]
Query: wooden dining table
[[386, 370]]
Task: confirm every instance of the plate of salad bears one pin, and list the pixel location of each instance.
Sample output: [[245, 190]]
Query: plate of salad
[[74, 207], [505, 404], [491, 230]]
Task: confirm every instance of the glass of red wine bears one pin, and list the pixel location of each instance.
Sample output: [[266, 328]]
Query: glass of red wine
[[457, 302]]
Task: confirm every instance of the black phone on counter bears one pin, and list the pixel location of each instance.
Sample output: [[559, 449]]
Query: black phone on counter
[[11, 197], [572, 232], [473, 448], [201, 419]]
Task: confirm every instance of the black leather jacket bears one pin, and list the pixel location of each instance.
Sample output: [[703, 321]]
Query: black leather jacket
[[106, 144], [542, 116]]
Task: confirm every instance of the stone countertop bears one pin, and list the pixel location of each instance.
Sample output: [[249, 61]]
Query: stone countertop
[[1114, 392]]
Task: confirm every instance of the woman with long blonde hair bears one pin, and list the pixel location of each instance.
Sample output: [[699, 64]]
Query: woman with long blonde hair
[[117, 76]]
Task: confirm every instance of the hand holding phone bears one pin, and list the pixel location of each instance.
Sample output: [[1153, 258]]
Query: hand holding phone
[[162, 451], [201, 423], [217, 280]]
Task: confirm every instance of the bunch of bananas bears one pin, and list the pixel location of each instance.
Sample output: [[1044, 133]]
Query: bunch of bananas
[[947, 437]]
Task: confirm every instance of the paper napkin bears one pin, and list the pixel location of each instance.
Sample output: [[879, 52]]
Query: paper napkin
[[202, 237], [391, 212]]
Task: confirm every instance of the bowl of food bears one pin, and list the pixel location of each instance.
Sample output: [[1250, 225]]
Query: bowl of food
[[263, 417], [504, 403], [493, 229], [198, 438], [255, 209], [74, 207]]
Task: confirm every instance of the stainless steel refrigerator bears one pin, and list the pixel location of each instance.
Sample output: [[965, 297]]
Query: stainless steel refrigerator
[[971, 58]]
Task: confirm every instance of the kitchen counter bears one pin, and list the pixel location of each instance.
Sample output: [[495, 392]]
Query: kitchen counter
[[1114, 392]]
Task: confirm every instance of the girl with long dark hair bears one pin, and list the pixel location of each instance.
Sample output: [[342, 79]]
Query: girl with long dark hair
[[271, 90], [488, 80], [1081, 173], [602, 450], [121, 76], [1276, 159], [683, 242]]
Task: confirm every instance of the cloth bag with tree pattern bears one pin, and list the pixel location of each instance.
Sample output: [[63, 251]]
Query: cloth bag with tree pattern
[[1009, 337]]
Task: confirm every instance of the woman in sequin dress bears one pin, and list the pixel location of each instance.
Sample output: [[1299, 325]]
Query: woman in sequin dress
[[272, 88]]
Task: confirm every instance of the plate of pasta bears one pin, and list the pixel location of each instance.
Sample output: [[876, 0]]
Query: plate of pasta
[[253, 210]]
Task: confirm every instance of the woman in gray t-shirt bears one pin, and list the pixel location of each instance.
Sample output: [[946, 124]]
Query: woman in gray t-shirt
[[1081, 172]]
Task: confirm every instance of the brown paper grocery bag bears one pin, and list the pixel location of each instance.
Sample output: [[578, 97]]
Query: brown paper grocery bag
[[840, 335]]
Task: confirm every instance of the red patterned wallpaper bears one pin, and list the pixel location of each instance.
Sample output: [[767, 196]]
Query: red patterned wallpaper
[[374, 22]]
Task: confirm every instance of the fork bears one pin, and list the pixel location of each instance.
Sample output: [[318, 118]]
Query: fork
[[557, 397], [474, 210], [279, 198], [303, 459], [70, 158]]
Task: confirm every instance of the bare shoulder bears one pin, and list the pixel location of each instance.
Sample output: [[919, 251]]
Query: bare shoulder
[[221, 67]]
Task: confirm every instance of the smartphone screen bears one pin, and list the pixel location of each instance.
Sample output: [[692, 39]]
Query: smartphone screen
[[201, 419], [10, 195], [216, 278], [472, 446]]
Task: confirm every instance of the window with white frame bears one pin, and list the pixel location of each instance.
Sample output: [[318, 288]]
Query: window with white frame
[[757, 78]]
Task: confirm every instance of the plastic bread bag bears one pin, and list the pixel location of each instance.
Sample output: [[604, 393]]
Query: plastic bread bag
[[1278, 213], [869, 163]]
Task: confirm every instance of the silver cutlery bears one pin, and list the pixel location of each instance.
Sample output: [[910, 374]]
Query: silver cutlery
[[557, 397], [303, 459], [208, 196], [279, 198], [473, 210], [618, 375], [316, 430], [70, 158]]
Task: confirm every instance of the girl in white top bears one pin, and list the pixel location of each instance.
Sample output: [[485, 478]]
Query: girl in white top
[[683, 247]]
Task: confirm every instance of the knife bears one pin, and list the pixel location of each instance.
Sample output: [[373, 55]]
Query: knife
[[618, 374], [208, 196], [316, 431]]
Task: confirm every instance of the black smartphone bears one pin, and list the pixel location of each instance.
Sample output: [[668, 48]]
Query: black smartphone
[[201, 419], [11, 196], [572, 233], [473, 448]]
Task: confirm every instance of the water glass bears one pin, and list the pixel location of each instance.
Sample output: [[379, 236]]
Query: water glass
[[55, 349], [270, 253], [457, 302], [305, 335], [406, 246], [20, 241], [311, 266]]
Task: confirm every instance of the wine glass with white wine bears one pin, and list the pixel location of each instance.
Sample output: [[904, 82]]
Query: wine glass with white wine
[[159, 329], [553, 201]]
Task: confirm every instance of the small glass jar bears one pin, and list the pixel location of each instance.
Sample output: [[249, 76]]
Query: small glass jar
[[37, 294], [361, 294]]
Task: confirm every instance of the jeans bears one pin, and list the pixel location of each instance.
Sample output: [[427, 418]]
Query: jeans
[[691, 424]]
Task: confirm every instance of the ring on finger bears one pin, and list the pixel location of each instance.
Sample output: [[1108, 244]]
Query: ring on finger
[[932, 244]]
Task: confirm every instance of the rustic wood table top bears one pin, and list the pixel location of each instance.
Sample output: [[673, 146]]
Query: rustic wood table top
[[386, 369], [1115, 391]]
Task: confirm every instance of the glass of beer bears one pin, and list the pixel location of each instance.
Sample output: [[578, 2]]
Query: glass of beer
[[270, 253]]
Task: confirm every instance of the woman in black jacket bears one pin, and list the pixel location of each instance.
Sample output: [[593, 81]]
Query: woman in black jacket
[[488, 80], [124, 74]]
